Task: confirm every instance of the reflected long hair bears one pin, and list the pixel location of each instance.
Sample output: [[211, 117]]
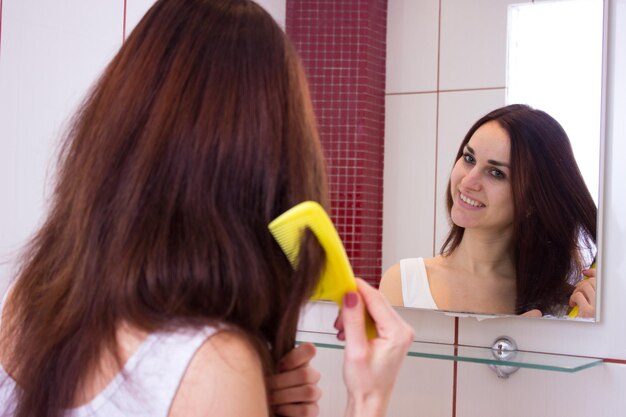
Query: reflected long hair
[[554, 229], [197, 135]]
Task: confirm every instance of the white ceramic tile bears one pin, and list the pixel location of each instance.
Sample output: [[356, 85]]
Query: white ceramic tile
[[597, 391], [51, 54], [473, 44], [318, 317], [457, 113], [412, 27], [277, 8], [423, 387], [409, 177], [135, 10], [429, 325]]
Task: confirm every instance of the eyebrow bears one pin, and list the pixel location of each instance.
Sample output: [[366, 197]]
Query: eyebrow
[[491, 161]]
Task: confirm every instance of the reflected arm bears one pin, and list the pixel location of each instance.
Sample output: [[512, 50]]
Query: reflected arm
[[391, 286]]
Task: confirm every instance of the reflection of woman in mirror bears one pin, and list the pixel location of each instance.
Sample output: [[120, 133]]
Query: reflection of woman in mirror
[[523, 226], [154, 286]]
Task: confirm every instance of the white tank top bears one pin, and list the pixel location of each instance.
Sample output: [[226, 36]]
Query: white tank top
[[415, 287], [146, 386]]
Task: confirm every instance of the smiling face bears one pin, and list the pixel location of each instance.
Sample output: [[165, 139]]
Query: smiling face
[[480, 183]]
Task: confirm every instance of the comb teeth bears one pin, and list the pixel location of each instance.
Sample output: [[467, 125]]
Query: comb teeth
[[288, 228], [288, 239]]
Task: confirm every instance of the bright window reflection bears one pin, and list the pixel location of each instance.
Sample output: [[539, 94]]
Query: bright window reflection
[[555, 65]]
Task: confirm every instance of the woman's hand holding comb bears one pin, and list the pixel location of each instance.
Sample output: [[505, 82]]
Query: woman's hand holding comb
[[371, 366]]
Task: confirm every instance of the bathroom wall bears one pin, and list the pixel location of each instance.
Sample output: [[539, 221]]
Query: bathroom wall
[[50, 53]]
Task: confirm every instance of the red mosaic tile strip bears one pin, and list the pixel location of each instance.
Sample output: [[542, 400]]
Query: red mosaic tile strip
[[343, 47]]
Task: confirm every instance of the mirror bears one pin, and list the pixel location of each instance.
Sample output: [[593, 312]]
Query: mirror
[[486, 54], [450, 62]]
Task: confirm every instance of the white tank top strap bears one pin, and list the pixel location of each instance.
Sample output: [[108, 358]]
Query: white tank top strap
[[415, 287]]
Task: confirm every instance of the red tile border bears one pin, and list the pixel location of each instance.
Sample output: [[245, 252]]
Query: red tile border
[[124, 24], [343, 48], [455, 365], [434, 249]]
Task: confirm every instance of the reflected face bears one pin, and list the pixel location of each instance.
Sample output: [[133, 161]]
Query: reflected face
[[480, 181]]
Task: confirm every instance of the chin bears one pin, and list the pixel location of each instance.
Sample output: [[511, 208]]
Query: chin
[[461, 221]]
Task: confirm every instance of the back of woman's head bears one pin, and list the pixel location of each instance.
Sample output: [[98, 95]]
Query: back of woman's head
[[198, 134], [554, 213]]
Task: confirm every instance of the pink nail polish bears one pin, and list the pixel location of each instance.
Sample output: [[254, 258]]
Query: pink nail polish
[[350, 299]]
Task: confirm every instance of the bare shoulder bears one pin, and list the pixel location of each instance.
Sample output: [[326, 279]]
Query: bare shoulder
[[225, 378], [391, 285]]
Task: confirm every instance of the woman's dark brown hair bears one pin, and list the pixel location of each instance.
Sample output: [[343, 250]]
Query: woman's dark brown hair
[[197, 135], [554, 213]]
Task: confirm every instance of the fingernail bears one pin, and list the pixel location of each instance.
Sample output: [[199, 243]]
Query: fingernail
[[350, 299]]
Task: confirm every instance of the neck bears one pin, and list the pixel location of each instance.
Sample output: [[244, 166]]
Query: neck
[[482, 253]]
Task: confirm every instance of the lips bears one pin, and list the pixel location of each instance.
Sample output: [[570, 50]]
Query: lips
[[470, 201]]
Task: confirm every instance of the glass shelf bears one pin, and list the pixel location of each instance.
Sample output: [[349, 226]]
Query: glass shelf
[[522, 359]]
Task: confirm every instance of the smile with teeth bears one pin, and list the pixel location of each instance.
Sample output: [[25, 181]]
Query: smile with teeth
[[469, 201]]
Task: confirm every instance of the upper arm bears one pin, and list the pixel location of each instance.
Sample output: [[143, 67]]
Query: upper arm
[[391, 286], [224, 378]]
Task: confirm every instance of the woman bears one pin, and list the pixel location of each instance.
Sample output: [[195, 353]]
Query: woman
[[154, 286], [523, 225]]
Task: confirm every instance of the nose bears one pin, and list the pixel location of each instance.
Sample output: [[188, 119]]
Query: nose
[[471, 179]]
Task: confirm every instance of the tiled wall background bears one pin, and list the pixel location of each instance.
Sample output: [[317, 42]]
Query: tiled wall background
[[342, 45]]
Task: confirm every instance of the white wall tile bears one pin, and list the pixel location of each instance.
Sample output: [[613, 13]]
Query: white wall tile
[[409, 186], [429, 325], [473, 44], [423, 388], [135, 10], [51, 54], [597, 391], [457, 113], [412, 31], [277, 8]]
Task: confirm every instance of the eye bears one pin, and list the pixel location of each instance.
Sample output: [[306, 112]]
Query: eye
[[496, 173], [469, 158]]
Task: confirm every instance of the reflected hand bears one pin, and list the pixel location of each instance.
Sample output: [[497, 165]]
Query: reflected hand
[[294, 391], [371, 366], [584, 295]]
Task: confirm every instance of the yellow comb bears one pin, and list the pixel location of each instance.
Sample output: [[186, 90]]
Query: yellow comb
[[574, 311], [337, 277]]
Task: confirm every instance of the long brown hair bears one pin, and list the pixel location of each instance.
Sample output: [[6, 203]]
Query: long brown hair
[[197, 135], [554, 230]]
